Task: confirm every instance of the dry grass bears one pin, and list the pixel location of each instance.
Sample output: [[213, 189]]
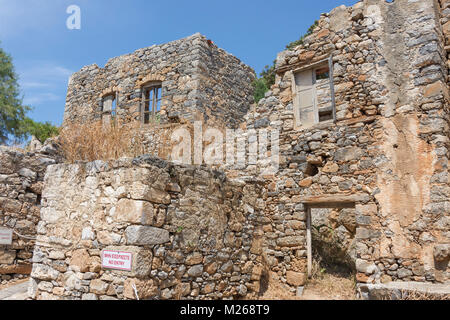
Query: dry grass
[[325, 287], [98, 141], [417, 295], [331, 287], [277, 290]]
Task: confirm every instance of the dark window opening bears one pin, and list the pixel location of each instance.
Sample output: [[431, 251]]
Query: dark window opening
[[323, 73], [151, 102], [38, 199], [325, 114], [264, 283]]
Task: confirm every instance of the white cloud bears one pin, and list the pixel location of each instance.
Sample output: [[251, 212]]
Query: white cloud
[[41, 81], [40, 98], [38, 74], [43, 70], [34, 85]]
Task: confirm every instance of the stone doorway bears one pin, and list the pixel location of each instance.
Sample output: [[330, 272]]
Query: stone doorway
[[331, 249]]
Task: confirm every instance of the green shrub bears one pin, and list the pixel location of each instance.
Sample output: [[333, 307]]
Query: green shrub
[[267, 76], [42, 131], [298, 42], [260, 89]]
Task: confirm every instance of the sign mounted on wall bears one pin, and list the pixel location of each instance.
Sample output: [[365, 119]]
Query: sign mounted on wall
[[117, 260], [5, 236]]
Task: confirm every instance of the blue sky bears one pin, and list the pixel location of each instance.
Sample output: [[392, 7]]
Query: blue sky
[[45, 53]]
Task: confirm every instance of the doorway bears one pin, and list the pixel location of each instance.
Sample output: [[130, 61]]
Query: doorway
[[331, 250]]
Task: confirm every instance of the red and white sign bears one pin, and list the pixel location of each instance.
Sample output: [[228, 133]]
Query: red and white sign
[[5, 236], [117, 260]]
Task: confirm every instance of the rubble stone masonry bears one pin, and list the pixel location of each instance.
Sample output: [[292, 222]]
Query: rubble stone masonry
[[21, 183], [376, 141], [199, 82], [386, 153], [190, 230]]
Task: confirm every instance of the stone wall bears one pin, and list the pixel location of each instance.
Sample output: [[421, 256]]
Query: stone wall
[[196, 234], [445, 23], [386, 154], [21, 183], [199, 82], [190, 229]]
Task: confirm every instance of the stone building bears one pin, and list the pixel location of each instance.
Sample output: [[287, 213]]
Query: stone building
[[378, 143], [362, 112], [189, 79]]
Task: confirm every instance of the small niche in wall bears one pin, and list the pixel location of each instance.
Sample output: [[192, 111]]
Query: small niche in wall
[[311, 170]]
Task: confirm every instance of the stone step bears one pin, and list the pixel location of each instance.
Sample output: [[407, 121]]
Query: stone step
[[15, 292]]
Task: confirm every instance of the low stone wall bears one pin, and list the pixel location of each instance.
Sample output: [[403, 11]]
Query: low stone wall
[[21, 176], [445, 23], [190, 231]]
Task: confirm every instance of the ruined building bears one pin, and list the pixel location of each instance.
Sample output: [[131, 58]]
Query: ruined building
[[362, 112], [188, 79]]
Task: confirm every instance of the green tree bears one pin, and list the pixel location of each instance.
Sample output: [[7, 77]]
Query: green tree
[[12, 111], [260, 88], [13, 119], [41, 130], [263, 84]]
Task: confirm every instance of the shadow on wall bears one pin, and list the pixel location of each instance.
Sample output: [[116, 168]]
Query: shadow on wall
[[333, 244]]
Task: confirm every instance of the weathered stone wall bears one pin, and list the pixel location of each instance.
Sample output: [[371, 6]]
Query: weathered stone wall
[[196, 234], [387, 154], [199, 81], [190, 230], [225, 91], [21, 182], [445, 23]]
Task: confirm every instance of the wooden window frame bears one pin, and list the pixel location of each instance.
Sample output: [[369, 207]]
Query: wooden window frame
[[314, 66], [149, 105]]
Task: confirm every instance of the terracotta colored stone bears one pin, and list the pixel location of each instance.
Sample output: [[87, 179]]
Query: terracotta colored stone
[[296, 278], [81, 259], [323, 33], [306, 56], [305, 182], [16, 269]]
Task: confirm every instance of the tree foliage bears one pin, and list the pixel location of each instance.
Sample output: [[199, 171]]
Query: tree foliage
[[41, 130], [260, 89], [12, 111], [263, 84], [13, 114]]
